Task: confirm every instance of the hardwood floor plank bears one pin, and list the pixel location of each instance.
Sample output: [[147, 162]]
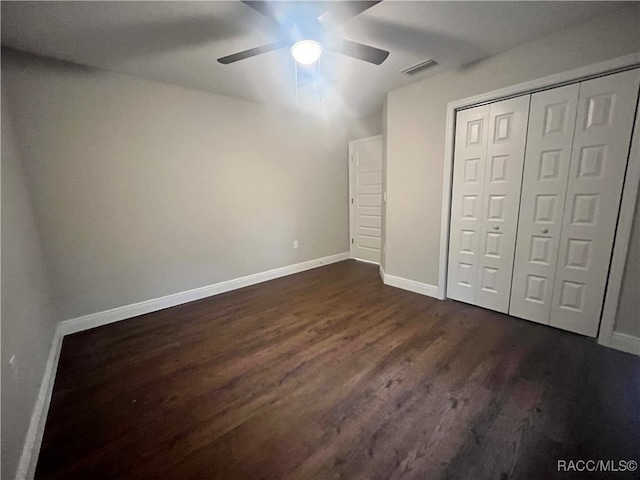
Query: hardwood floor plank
[[331, 374]]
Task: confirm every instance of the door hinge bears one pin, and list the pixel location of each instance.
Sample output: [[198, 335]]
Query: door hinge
[[351, 200], [352, 240]]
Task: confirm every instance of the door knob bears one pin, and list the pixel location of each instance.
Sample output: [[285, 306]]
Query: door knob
[[545, 230], [496, 227]]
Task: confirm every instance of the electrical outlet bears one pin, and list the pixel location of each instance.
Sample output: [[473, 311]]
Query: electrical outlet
[[295, 244]]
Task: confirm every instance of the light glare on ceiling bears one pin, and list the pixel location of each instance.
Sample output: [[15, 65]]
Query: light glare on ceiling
[[306, 52]]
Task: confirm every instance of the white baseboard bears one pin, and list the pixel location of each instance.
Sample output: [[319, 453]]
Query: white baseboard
[[410, 285], [365, 261], [93, 320], [623, 342], [381, 273], [31, 449]]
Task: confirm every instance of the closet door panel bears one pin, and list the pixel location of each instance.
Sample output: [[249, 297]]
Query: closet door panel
[[600, 150], [546, 167], [472, 129], [501, 200]]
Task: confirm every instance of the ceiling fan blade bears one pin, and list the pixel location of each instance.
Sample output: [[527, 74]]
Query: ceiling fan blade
[[265, 8], [357, 50], [252, 52], [340, 12]]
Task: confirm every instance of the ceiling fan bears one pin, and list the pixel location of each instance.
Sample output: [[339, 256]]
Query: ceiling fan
[[304, 30]]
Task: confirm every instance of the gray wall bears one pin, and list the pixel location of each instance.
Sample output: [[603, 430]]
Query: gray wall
[[628, 316], [416, 129], [28, 315], [144, 189]]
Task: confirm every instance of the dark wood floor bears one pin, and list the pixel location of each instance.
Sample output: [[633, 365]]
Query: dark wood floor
[[329, 374]]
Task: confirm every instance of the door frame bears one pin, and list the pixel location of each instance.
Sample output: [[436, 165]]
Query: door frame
[[352, 144], [606, 334]]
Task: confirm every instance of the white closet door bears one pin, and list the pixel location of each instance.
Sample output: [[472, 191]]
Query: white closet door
[[546, 167], [600, 150], [501, 201], [472, 127]]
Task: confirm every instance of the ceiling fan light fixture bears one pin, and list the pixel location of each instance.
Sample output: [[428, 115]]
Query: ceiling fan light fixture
[[306, 52]]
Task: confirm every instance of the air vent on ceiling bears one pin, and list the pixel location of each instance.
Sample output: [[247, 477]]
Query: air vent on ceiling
[[419, 67]]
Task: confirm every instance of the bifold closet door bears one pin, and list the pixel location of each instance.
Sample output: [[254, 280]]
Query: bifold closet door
[[604, 125], [577, 150], [488, 161], [501, 201], [472, 128], [552, 120]]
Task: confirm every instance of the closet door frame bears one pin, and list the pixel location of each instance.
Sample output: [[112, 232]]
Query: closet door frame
[[606, 334], [630, 191]]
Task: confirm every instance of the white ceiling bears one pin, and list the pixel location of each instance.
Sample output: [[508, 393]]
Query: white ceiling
[[179, 42]]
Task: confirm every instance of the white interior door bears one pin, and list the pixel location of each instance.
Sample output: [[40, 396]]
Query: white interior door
[[365, 179], [604, 122], [472, 129], [501, 201], [546, 167]]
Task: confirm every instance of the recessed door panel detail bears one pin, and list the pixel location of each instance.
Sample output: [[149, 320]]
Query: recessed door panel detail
[[540, 250], [535, 291], [599, 110], [474, 133], [578, 253], [496, 207], [498, 171], [366, 241], [493, 245], [555, 116], [467, 242], [369, 221], [490, 279], [584, 209], [367, 167], [502, 130], [545, 209], [465, 274], [470, 207], [572, 296], [370, 180], [591, 161], [471, 166], [550, 165], [369, 200]]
